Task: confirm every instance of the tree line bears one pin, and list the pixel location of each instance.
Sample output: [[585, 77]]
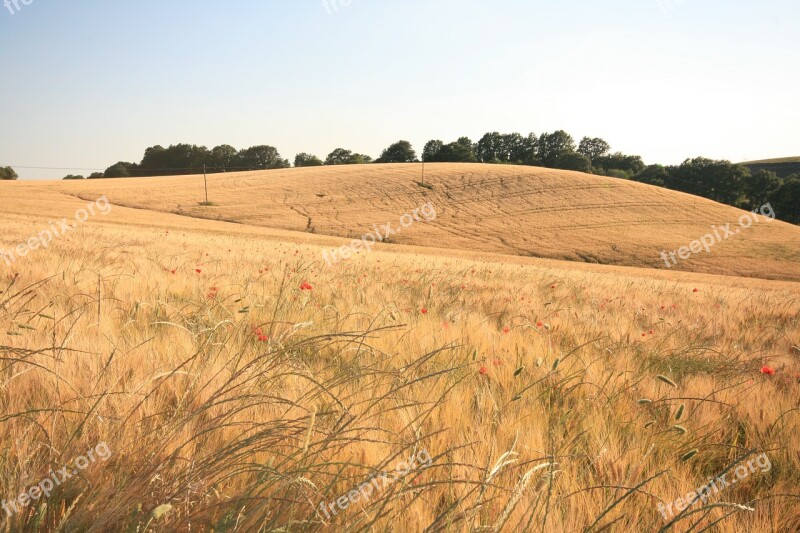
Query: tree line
[[719, 180]]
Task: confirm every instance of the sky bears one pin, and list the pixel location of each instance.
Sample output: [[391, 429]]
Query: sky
[[87, 83]]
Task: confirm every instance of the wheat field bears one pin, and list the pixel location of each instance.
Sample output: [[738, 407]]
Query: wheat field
[[513, 210], [242, 383]]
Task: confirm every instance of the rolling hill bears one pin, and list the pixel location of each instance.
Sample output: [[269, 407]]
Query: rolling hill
[[523, 211], [783, 167]]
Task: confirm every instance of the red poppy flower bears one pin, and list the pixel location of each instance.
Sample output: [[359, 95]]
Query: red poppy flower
[[198, 270], [483, 371], [305, 286], [174, 270], [696, 290], [539, 324], [767, 370], [506, 329], [424, 310]]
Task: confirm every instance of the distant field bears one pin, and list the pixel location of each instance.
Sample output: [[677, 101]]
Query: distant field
[[776, 160], [783, 167], [522, 211]]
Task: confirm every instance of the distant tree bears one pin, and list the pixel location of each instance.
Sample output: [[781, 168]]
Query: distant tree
[[653, 175], [360, 159], [307, 160], [223, 158], [261, 157], [573, 161], [176, 160], [721, 181], [457, 152], [7, 173], [593, 148], [120, 170], [512, 148], [96, 175], [631, 164], [399, 152], [340, 156], [760, 187], [431, 149], [786, 200], [530, 154], [553, 146], [489, 147], [73, 177]]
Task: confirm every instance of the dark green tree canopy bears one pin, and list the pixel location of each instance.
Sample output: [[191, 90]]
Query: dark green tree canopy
[[399, 152], [554, 145], [573, 161], [7, 173], [760, 187], [593, 148], [307, 160], [340, 156], [432, 148], [122, 169]]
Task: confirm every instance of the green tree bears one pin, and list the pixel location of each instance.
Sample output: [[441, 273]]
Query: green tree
[[760, 187], [631, 164], [96, 175], [74, 177], [360, 159], [307, 160], [489, 147], [399, 152], [653, 175], [552, 146], [223, 158], [457, 152], [261, 157], [573, 161], [593, 148], [786, 200], [122, 169], [721, 181], [340, 156], [7, 173], [432, 148]]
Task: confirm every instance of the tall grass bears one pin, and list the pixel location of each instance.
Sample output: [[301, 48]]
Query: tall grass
[[234, 400]]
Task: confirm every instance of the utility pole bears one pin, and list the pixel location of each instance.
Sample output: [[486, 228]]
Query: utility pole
[[205, 181]]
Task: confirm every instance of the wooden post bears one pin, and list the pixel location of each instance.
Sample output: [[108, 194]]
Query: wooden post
[[205, 181]]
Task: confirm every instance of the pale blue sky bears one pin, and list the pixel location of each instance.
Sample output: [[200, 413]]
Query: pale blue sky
[[86, 83]]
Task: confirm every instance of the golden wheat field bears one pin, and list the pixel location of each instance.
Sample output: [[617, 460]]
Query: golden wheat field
[[445, 381], [515, 210]]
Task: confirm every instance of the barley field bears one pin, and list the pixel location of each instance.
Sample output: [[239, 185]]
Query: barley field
[[513, 210], [242, 383]]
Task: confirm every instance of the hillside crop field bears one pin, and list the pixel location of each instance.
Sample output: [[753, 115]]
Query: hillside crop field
[[448, 380], [516, 210]]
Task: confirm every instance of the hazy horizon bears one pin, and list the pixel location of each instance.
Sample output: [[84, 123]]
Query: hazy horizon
[[664, 80]]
